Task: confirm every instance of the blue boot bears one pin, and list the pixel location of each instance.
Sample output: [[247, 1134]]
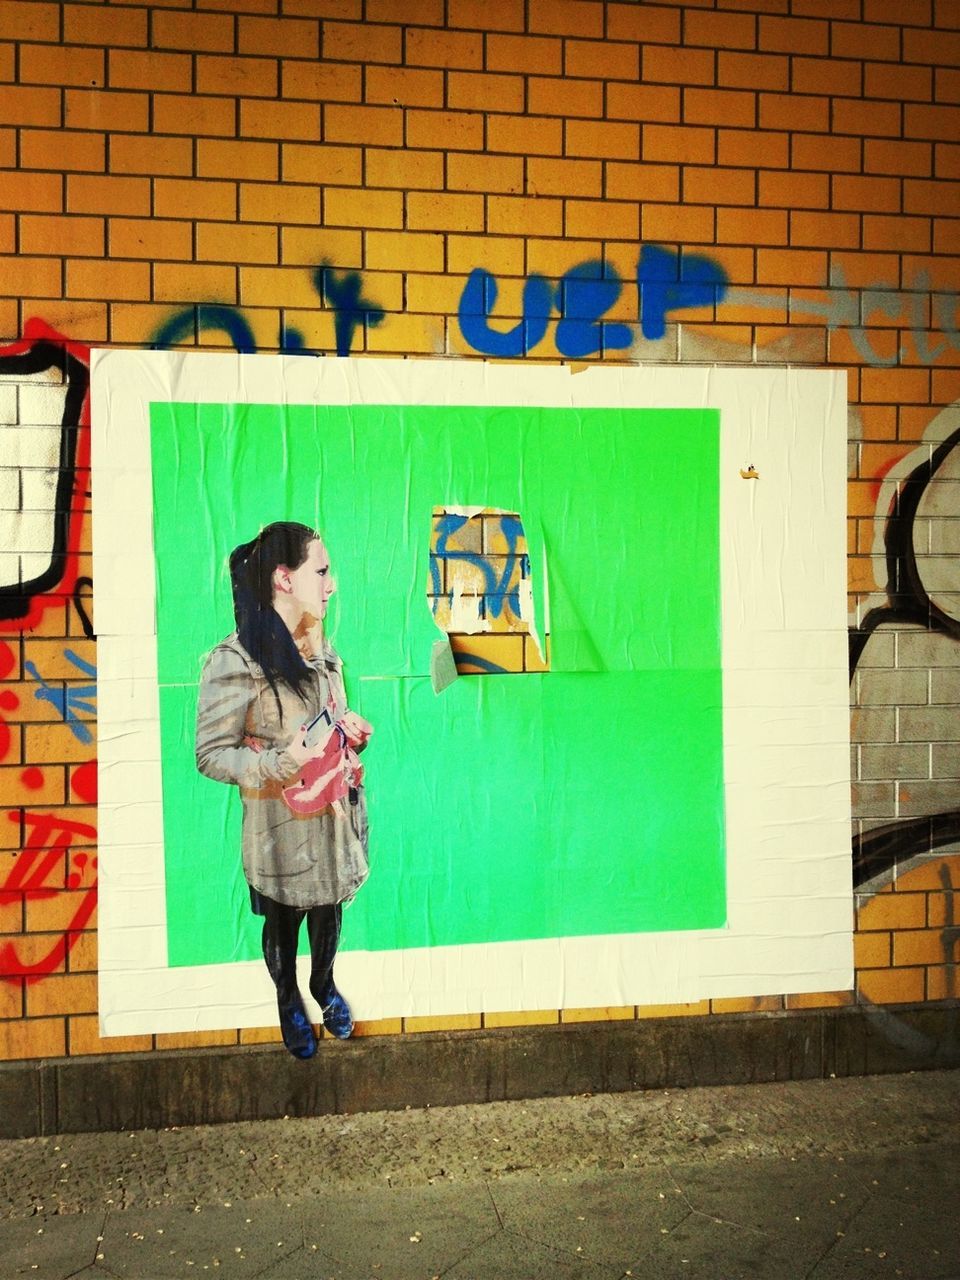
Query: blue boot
[[296, 1029], [337, 1018]]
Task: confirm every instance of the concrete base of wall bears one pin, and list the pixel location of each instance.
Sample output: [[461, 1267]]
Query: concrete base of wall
[[210, 1086]]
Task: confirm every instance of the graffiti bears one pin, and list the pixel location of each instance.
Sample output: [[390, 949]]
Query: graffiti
[[69, 699], [339, 292], [847, 309], [44, 453], [82, 585], [666, 280], [914, 597], [43, 854]]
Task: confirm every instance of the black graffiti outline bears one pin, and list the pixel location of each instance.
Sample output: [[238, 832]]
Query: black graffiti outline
[[16, 598], [908, 602]]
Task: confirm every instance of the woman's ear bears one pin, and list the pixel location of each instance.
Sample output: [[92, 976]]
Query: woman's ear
[[281, 579]]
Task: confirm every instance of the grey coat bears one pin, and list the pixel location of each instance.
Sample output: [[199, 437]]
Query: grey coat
[[301, 861]]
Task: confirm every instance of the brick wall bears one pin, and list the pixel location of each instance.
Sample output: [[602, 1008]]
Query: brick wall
[[748, 181]]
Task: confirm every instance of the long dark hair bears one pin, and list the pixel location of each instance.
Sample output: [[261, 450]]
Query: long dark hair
[[260, 629]]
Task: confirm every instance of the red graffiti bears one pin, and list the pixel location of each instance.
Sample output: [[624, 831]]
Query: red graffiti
[[8, 702], [83, 782], [7, 660], [47, 841]]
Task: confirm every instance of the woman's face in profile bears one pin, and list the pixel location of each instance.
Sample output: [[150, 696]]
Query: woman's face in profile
[[312, 583]]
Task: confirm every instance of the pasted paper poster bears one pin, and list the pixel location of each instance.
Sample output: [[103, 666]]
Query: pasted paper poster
[[635, 791]]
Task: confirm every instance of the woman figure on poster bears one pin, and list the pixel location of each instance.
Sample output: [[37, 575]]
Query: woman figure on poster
[[273, 720]]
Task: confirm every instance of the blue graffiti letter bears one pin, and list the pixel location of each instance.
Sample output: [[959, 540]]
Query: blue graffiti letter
[[206, 317], [477, 301], [585, 294], [342, 291], [667, 285]]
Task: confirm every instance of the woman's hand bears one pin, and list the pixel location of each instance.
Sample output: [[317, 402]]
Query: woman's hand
[[296, 749], [357, 729]]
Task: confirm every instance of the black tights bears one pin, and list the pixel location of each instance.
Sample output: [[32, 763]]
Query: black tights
[[281, 929]]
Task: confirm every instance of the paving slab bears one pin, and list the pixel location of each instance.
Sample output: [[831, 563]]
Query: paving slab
[[49, 1247]]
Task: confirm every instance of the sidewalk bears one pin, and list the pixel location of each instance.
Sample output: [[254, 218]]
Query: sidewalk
[[854, 1178]]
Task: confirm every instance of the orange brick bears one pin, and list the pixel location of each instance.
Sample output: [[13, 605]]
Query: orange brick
[[32, 1038], [345, 9], [831, 76], [164, 155], [871, 950], [689, 224], [931, 46], [538, 55], [443, 1022], [819, 1000], [310, 245], [826, 8], [901, 82], [506, 15], [62, 993], [753, 148], [824, 230], [462, 50], [150, 238], [853, 39], [538, 136], [250, 160], [615, 141], [408, 86], [111, 195], [343, 208], [753, 226], [565, 18], [53, 149], [429, 13], [929, 197], [942, 982], [11, 998], [620, 220], [899, 158], [947, 83], [280, 202], [719, 186], [448, 130], [794, 35], [403, 251], [29, 22], [893, 386], [867, 117], [947, 160], [14, 791], [324, 81], [560, 97], [945, 386], [483, 173], [902, 234], [20, 105], [603, 59], [404, 335], [669, 65], [158, 72], [946, 236], [432, 295], [692, 1009], [294, 120], [922, 946], [525, 1018], [54, 915], [369, 125], [188, 282], [605, 1013], [58, 65], [75, 236], [793, 111], [937, 123], [430, 211], [560, 177], [842, 156], [195, 1039], [721, 30], [865, 194], [719, 107], [222, 242], [644, 102], [186, 198], [196, 116], [469, 91], [932, 874], [312, 162], [282, 37], [57, 742], [891, 986], [242, 77], [193, 32], [747, 1004], [266, 1035], [361, 42], [84, 1034], [753, 71], [39, 277], [642, 182], [502, 256], [648, 23], [277, 286], [86, 24], [522, 215], [99, 109], [791, 267], [680, 144]]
